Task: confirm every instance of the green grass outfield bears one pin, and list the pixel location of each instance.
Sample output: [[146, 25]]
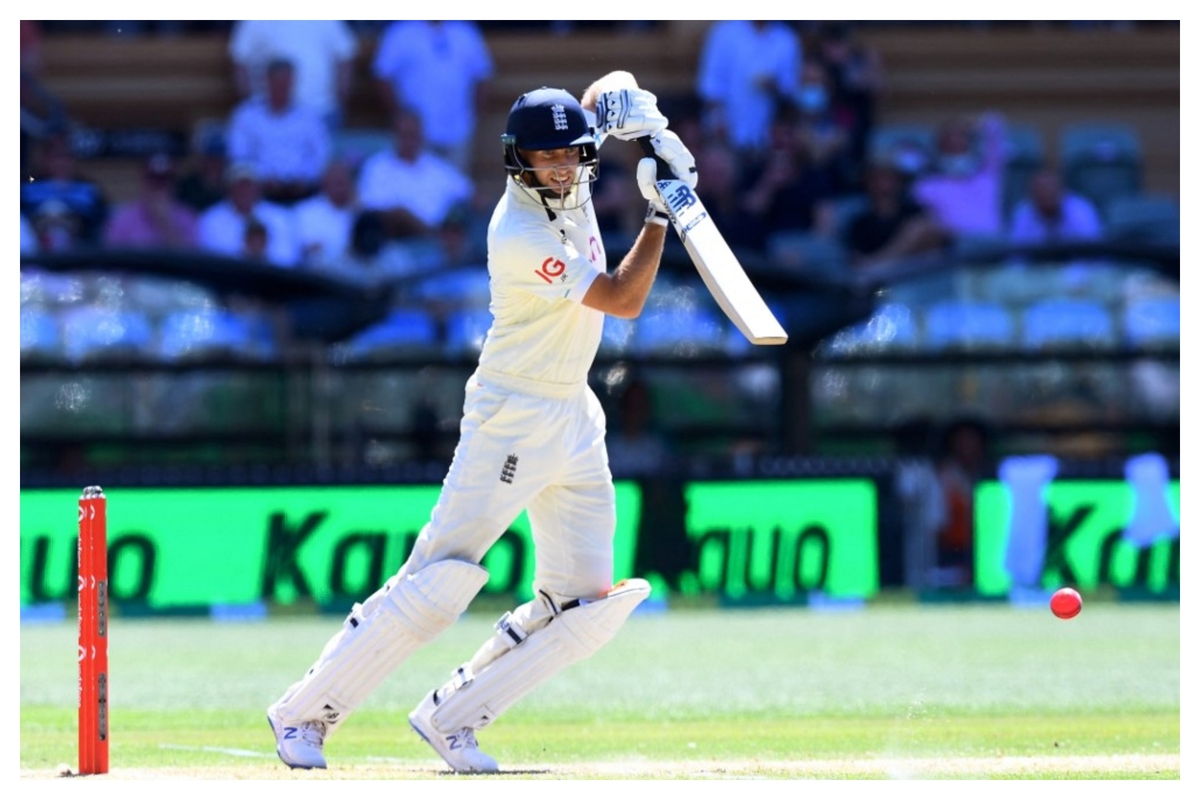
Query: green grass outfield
[[890, 691]]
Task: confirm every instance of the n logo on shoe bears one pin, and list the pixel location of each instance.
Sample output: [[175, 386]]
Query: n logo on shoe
[[455, 740]]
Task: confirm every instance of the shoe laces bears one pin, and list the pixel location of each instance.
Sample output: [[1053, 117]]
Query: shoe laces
[[467, 737], [312, 732]]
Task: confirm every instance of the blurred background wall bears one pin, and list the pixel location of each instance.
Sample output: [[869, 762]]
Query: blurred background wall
[[1039, 316]]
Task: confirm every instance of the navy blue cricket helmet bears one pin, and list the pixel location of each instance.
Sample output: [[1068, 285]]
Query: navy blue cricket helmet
[[548, 119]]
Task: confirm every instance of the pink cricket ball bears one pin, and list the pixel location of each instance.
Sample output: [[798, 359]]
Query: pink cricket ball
[[1066, 603]]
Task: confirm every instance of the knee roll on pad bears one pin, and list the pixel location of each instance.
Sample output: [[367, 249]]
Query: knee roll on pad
[[379, 635], [475, 700]]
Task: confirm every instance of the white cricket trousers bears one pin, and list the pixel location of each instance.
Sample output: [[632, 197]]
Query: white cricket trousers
[[523, 451]]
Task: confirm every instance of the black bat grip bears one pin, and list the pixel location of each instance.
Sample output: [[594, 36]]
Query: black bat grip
[[664, 169]]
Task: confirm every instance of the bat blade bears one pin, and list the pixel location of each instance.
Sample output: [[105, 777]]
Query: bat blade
[[719, 267]]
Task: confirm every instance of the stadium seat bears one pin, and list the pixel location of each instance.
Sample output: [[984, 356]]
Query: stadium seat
[[161, 296], [93, 333], [1101, 161], [968, 325], [805, 252], [1151, 322], [1146, 219], [887, 139], [404, 331], [1067, 323], [465, 331], [455, 288], [892, 327], [680, 330], [212, 333], [41, 334], [617, 338]]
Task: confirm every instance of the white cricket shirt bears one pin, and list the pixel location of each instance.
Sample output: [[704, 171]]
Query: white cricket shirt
[[543, 340]]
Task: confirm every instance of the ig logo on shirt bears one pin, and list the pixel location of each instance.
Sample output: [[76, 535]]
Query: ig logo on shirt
[[551, 269]]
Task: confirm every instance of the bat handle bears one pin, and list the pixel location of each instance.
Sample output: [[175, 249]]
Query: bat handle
[[664, 169]]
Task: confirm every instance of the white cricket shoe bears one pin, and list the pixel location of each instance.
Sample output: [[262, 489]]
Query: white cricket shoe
[[299, 746], [459, 748]]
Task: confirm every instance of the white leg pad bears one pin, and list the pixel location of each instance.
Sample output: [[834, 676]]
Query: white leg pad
[[475, 700], [378, 635]]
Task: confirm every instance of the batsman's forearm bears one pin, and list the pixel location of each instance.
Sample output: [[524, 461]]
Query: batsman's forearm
[[635, 275]]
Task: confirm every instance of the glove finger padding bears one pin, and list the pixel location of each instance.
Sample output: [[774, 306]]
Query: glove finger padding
[[671, 149], [647, 175], [629, 114]]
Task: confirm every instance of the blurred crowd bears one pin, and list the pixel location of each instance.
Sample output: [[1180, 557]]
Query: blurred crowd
[[275, 180], [783, 119]]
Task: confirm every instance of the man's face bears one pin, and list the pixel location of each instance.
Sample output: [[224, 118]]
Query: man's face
[[243, 193], [954, 138], [883, 183], [338, 184], [1047, 194], [408, 137], [279, 86], [554, 169]]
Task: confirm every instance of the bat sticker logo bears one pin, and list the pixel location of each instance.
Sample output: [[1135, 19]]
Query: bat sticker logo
[[685, 208], [679, 198]]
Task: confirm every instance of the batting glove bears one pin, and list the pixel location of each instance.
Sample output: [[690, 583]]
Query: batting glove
[[628, 114], [668, 146], [647, 177]]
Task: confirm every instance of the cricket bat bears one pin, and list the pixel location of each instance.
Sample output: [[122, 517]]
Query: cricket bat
[[714, 260]]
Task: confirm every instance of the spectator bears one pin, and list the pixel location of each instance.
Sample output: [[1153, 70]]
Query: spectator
[[42, 113], [746, 69], [922, 505], [203, 183], [223, 227], [288, 143], [255, 241], [893, 225], [80, 205], [965, 188], [325, 223], [459, 243], [824, 136], [441, 70], [960, 463], [155, 218], [1050, 214], [855, 80], [412, 188], [322, 52], [1053, 214], [786, 192], [56, 227]]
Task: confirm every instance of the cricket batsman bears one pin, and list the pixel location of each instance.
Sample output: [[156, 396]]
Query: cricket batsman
[[531, 439]]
